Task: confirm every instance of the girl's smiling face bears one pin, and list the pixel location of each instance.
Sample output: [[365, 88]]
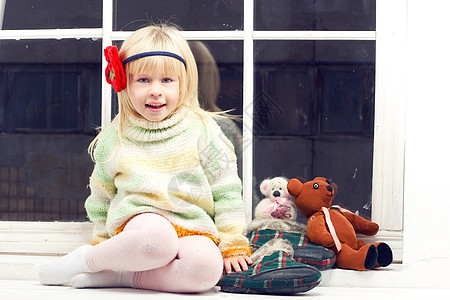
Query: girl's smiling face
[[154, 95]]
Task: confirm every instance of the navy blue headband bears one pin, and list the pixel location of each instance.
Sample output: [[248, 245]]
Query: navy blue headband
[[152, 53]]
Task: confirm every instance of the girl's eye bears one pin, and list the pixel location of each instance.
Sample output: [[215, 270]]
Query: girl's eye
[[167, 80], [143, 80]]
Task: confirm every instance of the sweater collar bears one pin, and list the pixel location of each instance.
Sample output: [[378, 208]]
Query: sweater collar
[[145, 131]]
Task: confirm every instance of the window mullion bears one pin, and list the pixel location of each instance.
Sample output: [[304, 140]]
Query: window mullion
[[247, 145], [106, 41], [390, 108], [2, 12], [31, 34], [314, 35], [192, 35]]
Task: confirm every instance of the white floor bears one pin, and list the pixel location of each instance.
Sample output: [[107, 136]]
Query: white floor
[[25, 290]]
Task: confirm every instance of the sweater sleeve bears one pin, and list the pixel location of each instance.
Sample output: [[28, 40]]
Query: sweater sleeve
[[101, 184], [218, 160]]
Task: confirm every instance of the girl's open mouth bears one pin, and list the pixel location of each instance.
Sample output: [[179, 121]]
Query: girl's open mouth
[[155, 106]]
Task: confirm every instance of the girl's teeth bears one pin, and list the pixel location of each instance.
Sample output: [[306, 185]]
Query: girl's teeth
[[155, 105]]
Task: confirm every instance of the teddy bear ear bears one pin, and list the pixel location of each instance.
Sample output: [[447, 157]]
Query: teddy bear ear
[[335, 187], [264, 186], [322, 179], [294, 187], [333, 184]]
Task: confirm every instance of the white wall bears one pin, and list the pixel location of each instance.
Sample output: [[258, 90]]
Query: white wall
[[427, 155]]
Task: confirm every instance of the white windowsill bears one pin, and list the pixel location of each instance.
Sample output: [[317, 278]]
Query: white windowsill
[[25, 246]]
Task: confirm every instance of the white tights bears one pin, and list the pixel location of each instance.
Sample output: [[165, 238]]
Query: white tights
[[148, 254]]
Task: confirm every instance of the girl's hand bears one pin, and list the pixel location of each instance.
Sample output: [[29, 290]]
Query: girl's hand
[[236, 263]]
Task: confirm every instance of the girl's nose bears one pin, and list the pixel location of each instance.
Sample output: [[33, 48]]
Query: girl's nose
[[155, 90]]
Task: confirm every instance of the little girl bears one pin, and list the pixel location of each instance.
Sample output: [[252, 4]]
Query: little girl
[[165, 195]]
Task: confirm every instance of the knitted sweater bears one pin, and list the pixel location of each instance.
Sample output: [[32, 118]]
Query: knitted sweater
[[182, 168]]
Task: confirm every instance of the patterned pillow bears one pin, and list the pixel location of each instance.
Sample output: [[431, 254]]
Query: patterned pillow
[[304, 251]]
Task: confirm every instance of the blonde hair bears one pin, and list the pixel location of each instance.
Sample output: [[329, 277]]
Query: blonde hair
[[160, 37]]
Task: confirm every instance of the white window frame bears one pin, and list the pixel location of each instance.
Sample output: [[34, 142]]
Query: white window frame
[[54, 238]]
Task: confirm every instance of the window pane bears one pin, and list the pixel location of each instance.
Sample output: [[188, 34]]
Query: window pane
[[130, 15], [50, 99], [46, 14], [227, 91], [220, 84], [315, 15], [313, 114]]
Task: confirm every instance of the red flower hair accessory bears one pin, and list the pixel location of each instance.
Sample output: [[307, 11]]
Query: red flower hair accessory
[[114, 72]]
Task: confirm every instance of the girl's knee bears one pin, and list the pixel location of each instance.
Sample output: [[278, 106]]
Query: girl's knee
[[156, 240], [197, 268], [205, 259], [155, 245]]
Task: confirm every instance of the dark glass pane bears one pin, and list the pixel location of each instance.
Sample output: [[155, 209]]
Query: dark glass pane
[[227, 55], [50, 100], [220, 84], [46, 14], [52, 103], [130, 15], [315, 15], [313, 114]]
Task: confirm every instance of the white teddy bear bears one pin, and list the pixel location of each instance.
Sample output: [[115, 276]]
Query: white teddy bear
[[277, 203]]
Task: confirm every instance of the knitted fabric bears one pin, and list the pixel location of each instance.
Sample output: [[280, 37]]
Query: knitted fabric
[[182, 168]]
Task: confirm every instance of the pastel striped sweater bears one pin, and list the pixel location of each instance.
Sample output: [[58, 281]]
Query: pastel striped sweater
[[182, 168]]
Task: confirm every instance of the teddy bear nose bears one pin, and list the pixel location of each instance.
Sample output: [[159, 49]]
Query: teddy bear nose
[[276, 194], [329, 188]]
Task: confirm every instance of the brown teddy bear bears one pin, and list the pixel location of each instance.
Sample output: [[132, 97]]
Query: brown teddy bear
[[335, 228]]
